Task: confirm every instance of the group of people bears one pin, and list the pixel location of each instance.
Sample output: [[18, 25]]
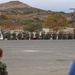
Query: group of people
[[36, 36]]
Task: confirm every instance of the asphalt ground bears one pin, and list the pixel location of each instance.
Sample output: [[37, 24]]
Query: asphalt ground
[[38, 57]]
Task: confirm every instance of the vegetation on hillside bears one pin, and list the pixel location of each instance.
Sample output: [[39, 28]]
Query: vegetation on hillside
[[20, 15], [56, 21], [33, 25]]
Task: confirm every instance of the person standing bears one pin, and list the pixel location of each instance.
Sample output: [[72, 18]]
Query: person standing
[[3, 66], [43, 35], [72, 69]]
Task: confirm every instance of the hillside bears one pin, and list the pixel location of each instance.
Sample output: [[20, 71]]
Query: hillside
[[13, 14], [19, 8], [13, 4]]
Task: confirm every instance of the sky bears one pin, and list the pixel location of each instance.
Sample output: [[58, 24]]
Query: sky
[[53, 5]]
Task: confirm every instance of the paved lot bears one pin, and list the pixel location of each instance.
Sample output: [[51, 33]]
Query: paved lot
[[43, 57]]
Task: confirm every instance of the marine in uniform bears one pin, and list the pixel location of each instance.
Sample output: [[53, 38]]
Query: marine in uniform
[[4, 35], [60, 36], [70, 36], [37, 35], [27, 36], [14, 36], [3, 66], [43, 35], [74, 35], [32, 35], [8, 35], [24, 35], [47, 36], [19, 36], [54, 36]]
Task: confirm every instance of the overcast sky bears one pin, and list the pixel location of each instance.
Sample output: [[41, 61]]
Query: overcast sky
[[54, 5]]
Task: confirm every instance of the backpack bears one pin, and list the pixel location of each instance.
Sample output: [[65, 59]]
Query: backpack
[[3, 68]]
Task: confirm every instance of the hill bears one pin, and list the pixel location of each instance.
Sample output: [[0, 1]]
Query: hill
[[13, 4], [14, 14], [19, 8]]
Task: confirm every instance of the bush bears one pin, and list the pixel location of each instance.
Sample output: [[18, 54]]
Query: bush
[[3, 17]]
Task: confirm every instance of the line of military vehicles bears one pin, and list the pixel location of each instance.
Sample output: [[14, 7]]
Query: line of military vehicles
[[26, 35]]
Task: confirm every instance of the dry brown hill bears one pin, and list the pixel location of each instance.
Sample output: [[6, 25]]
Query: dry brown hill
[[12, 5], [13, 12], [22, 9]]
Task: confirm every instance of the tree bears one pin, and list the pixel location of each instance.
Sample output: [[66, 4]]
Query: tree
[[32, 25], [56, 21], [3, 17]]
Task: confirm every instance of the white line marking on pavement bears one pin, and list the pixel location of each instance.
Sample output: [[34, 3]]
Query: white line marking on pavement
[[27, 50], [30, 50], [37, 51]]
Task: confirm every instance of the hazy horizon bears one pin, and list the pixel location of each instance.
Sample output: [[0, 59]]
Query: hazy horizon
[[53, 5]]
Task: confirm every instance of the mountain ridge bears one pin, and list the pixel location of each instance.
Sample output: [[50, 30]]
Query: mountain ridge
[[19, 8], [15, 12], [13, 4]]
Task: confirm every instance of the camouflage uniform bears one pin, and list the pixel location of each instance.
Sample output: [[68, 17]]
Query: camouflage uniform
[[54, 36], [27, 36], [65, 36], [19, 36], [74, 36], [60, 36], [14, 36], [3, 68], [43, 35], [24, 36], [47, 36], [8, 36], [69, 36], [37, 35], [32, 35], [4, 36]]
